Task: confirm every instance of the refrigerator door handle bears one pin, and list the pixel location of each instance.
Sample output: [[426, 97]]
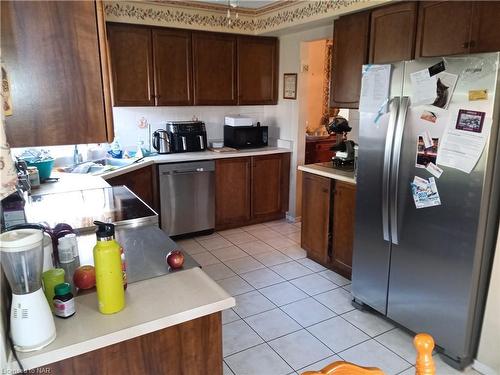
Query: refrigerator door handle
[[393, 116], [396, 157]]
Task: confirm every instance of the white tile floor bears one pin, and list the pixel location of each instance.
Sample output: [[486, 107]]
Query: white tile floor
[[293, 315]]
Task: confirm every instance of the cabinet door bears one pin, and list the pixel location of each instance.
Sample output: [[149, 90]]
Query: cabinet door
[[270, 180], [350, 52], [50, 52], [443, 28], [392, 34], [343, 227], [141, 182], [485, 34], [232, 192], [214, 67], [316, 195], [257, 70], [173, 67], [131, 55]]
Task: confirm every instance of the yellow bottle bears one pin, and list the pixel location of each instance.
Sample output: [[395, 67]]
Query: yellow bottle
[[108, 270]]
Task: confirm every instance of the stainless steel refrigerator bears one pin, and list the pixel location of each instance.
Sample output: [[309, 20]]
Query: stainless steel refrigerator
[[427, 269]]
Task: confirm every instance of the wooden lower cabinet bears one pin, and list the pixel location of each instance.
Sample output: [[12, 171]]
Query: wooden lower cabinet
[[251, 190], [328, 222], [270, 185], [190, 348], [232, 192], [143, 183], [344, 203], [316, 203]]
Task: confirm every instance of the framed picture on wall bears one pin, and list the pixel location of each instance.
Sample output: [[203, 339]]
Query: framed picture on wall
[[290, 86]]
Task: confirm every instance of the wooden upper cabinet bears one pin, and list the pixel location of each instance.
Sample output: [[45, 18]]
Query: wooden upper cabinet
[[131, 55], [485, 32], [51, 54], [316, 196], [257, 70], [173, 67], [270, 182], [392, 33], [214, 67], [443, 28], [232, 191], [350, 52]]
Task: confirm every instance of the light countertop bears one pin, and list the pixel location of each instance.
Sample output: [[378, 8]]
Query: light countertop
[[151, 305], [336, 174], [84, 181], [70, 182], [193, 156]]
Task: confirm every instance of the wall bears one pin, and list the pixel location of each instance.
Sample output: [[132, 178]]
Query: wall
[[126, 120], [313, 57], [488, 356], [286, 114]]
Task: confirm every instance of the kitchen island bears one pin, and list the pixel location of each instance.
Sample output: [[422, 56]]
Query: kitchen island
[[169, 322], [328, 204], [172, 319]]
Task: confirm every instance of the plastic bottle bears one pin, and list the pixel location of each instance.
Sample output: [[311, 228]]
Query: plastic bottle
[[116, 149], [67, 260], [108, 270]]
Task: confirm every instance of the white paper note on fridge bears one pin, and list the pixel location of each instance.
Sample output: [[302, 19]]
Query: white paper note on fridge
[[375, 88]]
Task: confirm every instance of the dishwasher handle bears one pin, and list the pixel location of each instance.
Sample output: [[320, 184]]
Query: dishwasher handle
[[185, 171]]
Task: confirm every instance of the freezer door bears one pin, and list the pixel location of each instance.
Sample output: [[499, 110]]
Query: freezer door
[[372, 247], [435, 264]]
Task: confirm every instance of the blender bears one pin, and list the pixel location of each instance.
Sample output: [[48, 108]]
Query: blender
[[31, 321]]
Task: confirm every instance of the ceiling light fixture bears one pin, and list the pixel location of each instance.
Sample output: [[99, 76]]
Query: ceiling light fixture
[[232, 7]]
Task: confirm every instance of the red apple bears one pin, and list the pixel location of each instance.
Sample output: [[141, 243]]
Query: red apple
[[84, 277], [175, 259]]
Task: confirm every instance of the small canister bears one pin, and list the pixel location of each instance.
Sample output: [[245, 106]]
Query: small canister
[[34, 177], [64, 302]]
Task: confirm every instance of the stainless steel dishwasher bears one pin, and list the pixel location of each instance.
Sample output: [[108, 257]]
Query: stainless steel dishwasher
[[187, 197]]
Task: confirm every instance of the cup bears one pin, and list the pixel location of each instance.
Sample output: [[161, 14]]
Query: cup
[[50, 279]]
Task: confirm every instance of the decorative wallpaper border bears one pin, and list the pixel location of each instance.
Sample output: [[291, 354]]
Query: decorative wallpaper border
[[177, 15]]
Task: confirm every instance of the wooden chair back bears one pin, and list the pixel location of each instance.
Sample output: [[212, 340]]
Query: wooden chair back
[[424, 365]]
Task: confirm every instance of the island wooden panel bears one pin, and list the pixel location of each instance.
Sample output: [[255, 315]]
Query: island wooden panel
[[190, 348], [316, 197], [51, 53]]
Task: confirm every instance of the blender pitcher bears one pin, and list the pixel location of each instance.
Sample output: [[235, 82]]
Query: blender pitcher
[[31, 320]]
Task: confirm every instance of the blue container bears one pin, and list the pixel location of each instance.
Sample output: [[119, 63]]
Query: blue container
[[44, 167]]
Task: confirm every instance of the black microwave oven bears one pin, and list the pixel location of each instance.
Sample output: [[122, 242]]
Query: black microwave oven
[[245, 136]]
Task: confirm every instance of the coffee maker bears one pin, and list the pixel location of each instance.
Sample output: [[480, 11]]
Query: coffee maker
[[344, 148]]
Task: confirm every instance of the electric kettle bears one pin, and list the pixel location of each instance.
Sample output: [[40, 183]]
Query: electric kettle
[[161, 142]]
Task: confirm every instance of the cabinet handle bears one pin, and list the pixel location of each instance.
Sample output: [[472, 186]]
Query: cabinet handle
[[465, 45]]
